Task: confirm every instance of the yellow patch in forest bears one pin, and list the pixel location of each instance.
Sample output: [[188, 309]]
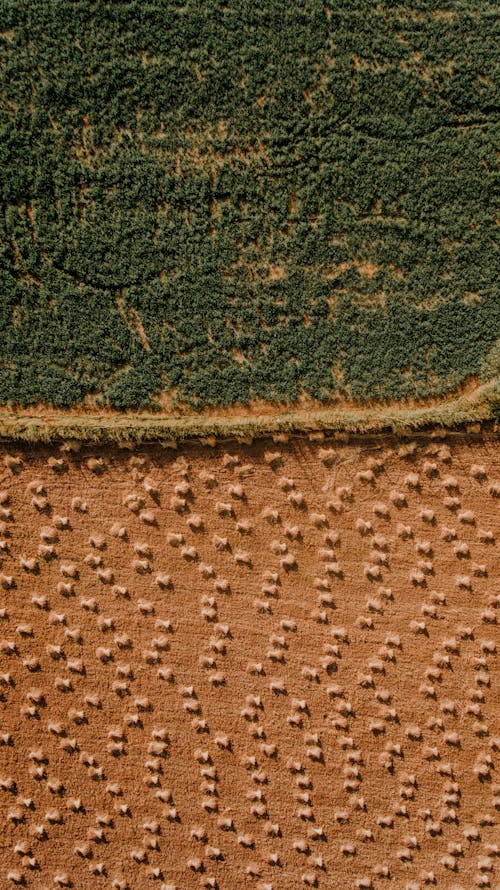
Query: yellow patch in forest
[[132, 320], [470, 298], [238, 356], [331, 274], [148, 59], [366, 268], [442, 14], [276, 272]]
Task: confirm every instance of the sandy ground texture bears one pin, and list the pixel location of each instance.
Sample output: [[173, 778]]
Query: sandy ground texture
[[267, 666]]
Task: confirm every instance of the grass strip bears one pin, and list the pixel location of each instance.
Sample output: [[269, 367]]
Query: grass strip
[[130, 429]]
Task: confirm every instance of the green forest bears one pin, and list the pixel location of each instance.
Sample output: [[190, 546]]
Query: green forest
[[206, 203]]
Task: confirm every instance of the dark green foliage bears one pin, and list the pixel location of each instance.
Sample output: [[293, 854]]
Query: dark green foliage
[[227, 201]]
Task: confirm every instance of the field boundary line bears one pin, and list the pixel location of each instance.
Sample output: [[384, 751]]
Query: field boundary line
[[127, 429]]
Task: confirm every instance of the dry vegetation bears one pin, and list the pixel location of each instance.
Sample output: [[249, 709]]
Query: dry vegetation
[[481, 404], [272, 665]]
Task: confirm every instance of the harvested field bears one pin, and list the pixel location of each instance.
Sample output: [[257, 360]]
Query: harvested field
[[265, 666]]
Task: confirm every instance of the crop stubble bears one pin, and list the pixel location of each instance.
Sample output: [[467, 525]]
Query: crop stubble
[[301, 690]]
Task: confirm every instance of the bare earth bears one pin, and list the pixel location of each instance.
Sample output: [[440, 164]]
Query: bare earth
[[269, 666]]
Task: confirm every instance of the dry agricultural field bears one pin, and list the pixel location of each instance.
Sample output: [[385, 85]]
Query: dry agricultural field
[[267, 666]]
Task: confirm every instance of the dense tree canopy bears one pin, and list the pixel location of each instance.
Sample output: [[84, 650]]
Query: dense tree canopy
[[225, 201]]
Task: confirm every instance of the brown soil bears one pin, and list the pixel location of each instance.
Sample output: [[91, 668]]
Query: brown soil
[[267, 666]]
